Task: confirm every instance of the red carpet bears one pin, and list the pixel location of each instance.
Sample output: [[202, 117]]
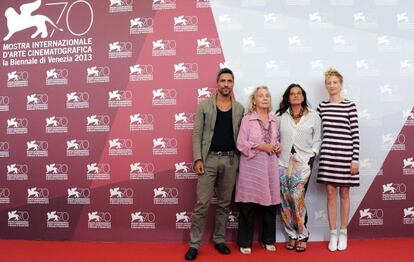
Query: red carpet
[[358, 250]]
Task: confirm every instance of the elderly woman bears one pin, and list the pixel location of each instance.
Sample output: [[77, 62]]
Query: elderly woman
[[258, 186], [300, 136], [338, 164]]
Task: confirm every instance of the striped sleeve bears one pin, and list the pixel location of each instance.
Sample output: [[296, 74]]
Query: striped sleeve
[[353, 120]]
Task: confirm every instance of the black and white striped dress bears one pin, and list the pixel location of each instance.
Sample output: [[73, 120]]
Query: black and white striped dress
[[340, 143]]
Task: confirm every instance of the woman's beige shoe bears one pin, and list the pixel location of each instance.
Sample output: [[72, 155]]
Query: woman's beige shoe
[[270, 248], [245, 250]]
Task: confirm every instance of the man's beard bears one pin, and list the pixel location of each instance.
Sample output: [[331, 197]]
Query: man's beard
[[226, 92]]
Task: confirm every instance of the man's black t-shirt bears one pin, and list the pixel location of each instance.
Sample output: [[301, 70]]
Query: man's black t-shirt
[[223, 132]]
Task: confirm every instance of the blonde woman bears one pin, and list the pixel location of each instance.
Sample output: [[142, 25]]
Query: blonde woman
[[339, 155], [257, 186]]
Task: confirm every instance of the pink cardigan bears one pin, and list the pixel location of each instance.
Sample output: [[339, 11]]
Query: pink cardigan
[[258, 179]]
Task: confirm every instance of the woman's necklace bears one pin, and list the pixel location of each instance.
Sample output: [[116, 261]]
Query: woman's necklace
[[266, 132], [297, 116]]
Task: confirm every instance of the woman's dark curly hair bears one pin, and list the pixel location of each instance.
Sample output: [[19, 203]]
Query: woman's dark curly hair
[[284, 104]]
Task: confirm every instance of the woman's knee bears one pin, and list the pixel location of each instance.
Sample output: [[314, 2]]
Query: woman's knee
[[331, 192], [299, 189], [344, 193]]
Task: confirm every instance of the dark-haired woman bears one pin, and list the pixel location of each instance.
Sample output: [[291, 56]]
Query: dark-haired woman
[[300, 137]]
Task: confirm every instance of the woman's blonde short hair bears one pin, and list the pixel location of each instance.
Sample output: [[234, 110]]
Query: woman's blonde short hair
[[333, 72], [251, 107]]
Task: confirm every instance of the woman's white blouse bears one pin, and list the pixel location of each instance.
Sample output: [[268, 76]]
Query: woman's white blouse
[[304, 136]]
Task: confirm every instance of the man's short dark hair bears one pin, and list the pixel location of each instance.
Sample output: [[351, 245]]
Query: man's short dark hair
[[224, 71]]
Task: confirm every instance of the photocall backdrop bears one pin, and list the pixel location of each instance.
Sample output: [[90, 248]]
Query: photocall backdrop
[[98, 100]]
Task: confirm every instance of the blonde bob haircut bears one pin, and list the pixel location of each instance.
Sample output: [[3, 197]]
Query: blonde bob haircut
[[252, 107], [333, 72]]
